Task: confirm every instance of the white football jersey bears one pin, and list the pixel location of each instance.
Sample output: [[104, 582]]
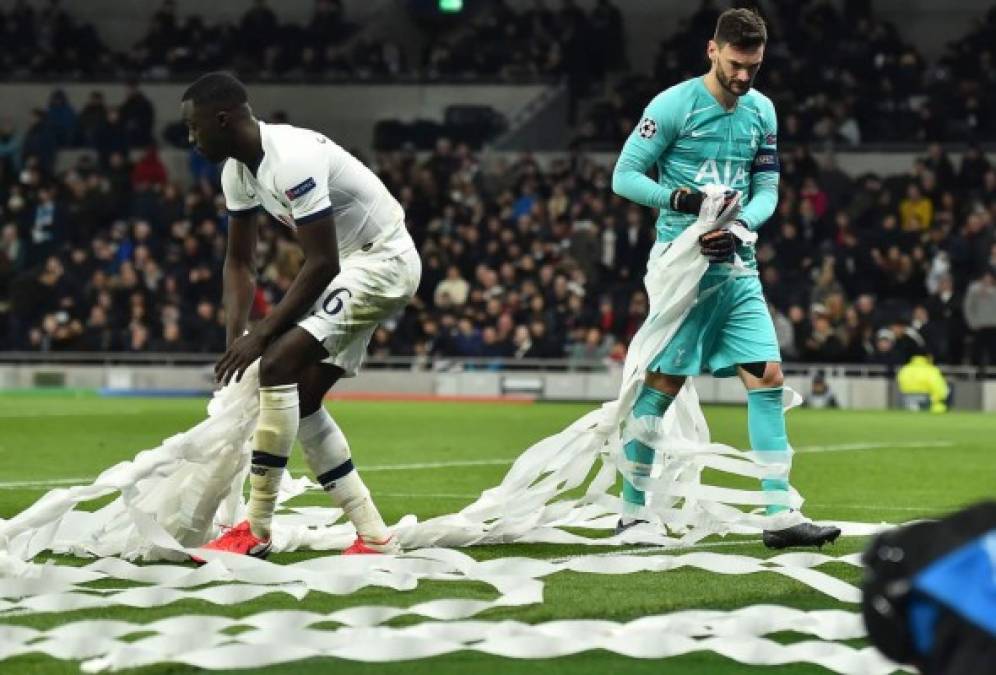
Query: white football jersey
[[304, 176]]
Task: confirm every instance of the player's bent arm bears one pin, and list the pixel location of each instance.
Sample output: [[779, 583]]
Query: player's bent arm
[[630, 180], [764, 173], [656, 130], [321, 265], [763, 201], [239, 273]]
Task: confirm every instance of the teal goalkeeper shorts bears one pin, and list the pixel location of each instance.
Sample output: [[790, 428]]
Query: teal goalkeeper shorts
[[725, 328]]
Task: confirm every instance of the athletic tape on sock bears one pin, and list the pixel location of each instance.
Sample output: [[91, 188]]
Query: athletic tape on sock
[[768, 438], [272, 442]]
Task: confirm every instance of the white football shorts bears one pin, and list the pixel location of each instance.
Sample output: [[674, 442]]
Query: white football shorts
[[372, 286]]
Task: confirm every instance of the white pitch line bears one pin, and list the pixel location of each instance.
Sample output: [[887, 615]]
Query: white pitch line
[[428, 495], [882, 507], [64, 413], [839, 447], [55, 482], [656, 549], [436, 465], [843, 447]]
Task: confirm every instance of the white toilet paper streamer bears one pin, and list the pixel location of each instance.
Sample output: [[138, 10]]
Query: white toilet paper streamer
[[285, 636], [177, 495]]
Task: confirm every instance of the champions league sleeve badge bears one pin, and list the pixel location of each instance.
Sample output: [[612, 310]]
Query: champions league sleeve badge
[[647, 128]]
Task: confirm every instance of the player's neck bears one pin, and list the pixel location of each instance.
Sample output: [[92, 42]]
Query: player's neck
[[719, 92], [249, 149]]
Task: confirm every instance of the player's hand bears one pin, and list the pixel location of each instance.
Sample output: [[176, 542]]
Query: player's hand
[[685, 200], [239, 356], [718, 245]]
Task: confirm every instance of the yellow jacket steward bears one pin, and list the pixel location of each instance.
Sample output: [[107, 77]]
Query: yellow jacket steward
[[921, 376]]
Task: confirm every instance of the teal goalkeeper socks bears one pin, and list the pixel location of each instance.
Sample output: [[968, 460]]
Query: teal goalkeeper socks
[[648, 402], [766, 427]]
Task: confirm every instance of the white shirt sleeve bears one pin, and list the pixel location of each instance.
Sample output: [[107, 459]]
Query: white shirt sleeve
[[304, 180], [237, 197]]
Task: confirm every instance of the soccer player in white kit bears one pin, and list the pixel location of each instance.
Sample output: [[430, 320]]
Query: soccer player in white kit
[[360, 268]]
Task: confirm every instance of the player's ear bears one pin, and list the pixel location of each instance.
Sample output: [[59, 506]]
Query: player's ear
[[223, 117], [712, 51]]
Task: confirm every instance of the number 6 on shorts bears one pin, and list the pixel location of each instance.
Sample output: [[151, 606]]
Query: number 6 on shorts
[[333, 303]]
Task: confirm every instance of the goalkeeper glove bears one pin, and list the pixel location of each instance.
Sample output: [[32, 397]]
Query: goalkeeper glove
[[718, 245], [684, 200]]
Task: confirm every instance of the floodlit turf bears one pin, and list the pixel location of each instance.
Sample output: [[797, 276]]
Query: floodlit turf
[[864, 466]]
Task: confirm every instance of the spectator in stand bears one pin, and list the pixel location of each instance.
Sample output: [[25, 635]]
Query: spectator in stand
[[916, 211], [974, 167], [12, 256], [149, 171], [453, 290], [594, 348], [62, 119], [980, 316], [138, 116], [10, 153], [258, 26], [170, 340], [885, 353], [46, 227], [969, 249], [940, 166], [111, 138], [40, 142], [206, 330], [822, 344], [97, 335], [944, 307], [92, 119]]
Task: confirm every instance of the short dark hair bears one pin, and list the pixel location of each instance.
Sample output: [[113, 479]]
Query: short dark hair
[[219, 89], [742, 28]]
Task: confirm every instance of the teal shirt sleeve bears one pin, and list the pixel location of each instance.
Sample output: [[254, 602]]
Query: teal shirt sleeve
[[764, 175], [656, 130]]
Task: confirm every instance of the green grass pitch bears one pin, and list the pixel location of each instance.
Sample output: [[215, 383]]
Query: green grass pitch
[[851, 465]]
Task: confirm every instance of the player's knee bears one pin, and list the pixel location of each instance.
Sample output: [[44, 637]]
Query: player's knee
[[767, 373], [773, 376], [311, 400], [309, 406], [669, 384], [274, 370]]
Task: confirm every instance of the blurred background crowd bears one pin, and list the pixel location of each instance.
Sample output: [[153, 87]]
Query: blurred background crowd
[[519, 261], [871, 86], [525, 257]]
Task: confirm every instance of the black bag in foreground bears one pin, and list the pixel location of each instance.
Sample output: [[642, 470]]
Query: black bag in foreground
[[929, 593]]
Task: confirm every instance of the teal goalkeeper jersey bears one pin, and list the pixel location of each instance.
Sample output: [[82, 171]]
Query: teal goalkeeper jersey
[[693, 141]]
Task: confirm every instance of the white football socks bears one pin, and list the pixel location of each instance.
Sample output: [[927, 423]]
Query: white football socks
[[272, 442], [327, 452]]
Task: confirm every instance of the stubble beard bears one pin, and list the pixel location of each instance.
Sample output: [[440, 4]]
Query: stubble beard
[[729, 85]]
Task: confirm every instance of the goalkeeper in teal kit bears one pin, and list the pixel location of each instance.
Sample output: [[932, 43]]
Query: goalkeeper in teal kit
[[716, 129]]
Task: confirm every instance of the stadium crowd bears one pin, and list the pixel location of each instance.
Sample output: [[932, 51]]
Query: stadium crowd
[[519, 261], [871, 86], [495, 43]]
